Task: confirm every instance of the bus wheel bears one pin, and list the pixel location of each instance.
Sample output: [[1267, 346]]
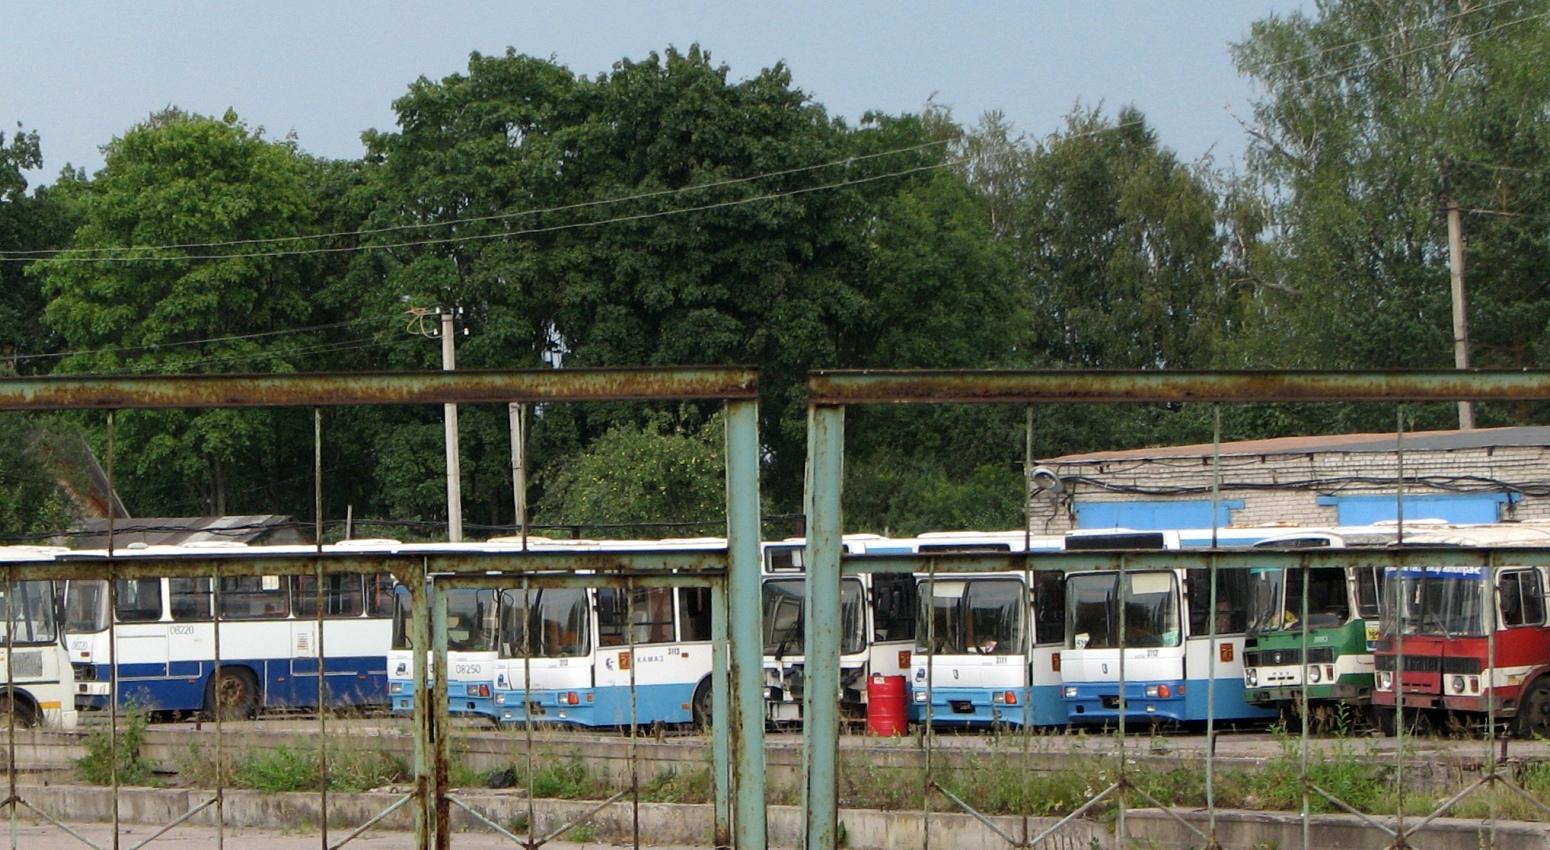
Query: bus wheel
[[1534, 713], [702, 707], [1383, 720], [21, 712], [234, 695]]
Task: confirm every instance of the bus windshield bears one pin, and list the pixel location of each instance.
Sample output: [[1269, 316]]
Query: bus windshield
[[783, 623], [1442, 601], [979, 616], [29, 607], [1151, 615], [545, 623], [1277, 599]]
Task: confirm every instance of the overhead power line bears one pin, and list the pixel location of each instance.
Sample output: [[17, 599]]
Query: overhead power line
[[71, 255]]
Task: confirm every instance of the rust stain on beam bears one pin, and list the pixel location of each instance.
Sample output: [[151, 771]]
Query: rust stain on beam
[[1029, 387], [67, 392]]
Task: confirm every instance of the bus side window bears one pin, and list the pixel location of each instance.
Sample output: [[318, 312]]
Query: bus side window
[[341, 595], [1522, 598], [253, 598], [190, 598], [139, 600], [694, 605], [653, 615], [379, 595]]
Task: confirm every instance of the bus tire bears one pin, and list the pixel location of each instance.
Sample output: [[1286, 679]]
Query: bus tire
[[233, 695], [25, 714], [703, 706], [1383, 719], [1533, 720]]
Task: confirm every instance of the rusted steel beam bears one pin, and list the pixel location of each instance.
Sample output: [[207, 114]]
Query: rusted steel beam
[[647, 568], [1159, 559], [66, 392], [1026, 387]]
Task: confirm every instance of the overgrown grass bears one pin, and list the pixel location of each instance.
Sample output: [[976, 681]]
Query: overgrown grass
[[104, 751], [353, 765], [994, 779]]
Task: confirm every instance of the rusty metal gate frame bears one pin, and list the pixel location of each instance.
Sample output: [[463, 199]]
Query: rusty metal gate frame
[[738, 697], [830, 392]]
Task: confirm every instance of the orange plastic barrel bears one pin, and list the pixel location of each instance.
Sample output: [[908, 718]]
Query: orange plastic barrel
[[887, 699]]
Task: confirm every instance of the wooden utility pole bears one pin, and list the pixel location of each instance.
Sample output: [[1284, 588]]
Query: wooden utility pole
[[1460, 314]]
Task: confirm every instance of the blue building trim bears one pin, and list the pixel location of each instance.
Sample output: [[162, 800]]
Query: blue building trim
[[1456, 508], [1155, 515]]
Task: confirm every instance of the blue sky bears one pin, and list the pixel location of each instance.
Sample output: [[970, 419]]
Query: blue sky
[[81, 73]]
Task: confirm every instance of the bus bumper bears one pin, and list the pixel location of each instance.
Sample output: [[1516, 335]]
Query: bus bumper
[[1098, 703], [1340, 692]]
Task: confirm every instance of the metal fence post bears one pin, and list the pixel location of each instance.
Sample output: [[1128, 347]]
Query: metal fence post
[[820, 701], [745, 711]]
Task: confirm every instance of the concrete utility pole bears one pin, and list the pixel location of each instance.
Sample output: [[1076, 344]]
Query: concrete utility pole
[[1460, 314], [454, 466]]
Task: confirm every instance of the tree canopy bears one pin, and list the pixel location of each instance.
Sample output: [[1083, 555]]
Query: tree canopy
[[665, 213]]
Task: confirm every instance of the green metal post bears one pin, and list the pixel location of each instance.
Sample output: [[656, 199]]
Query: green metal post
[[745, 712], [820, 701], [424, 736], [441, 722]]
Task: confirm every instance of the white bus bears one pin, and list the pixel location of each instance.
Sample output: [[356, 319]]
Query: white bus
[[877, 622], [160, 635], [988, 645], [473, 621], [606, 656], [36, 686], [1156, 628]]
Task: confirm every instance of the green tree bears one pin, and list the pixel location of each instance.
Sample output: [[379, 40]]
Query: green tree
[[173, 270], [656, 474], [662, 214], [1374, 115], [29, 224], [1121, 261]]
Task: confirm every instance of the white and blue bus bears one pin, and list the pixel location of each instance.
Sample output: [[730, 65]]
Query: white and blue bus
[[160, 635], [606, 656], [988, 646], [563, 655], [1157, 629]]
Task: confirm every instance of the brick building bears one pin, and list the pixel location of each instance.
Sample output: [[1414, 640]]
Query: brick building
[[1484, 475]]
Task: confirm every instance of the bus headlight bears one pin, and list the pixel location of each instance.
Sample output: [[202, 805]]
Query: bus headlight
[[500, 699], [1385, 680], [1069, 692], [1457, 683], [1158, 692], [395, 687], [1314, 676], [1251, 677]]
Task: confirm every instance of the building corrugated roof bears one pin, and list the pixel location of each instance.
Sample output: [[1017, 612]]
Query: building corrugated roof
[[252, 528], [1479, 438]]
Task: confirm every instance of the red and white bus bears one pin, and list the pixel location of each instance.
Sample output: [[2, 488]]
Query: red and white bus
[[1467, 634]]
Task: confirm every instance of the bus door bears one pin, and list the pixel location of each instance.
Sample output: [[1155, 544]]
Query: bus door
[[1045, 706], [893, 609], [141, 649]]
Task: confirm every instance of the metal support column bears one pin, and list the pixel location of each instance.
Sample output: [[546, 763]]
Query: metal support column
[[820, 701], [746, 670]]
